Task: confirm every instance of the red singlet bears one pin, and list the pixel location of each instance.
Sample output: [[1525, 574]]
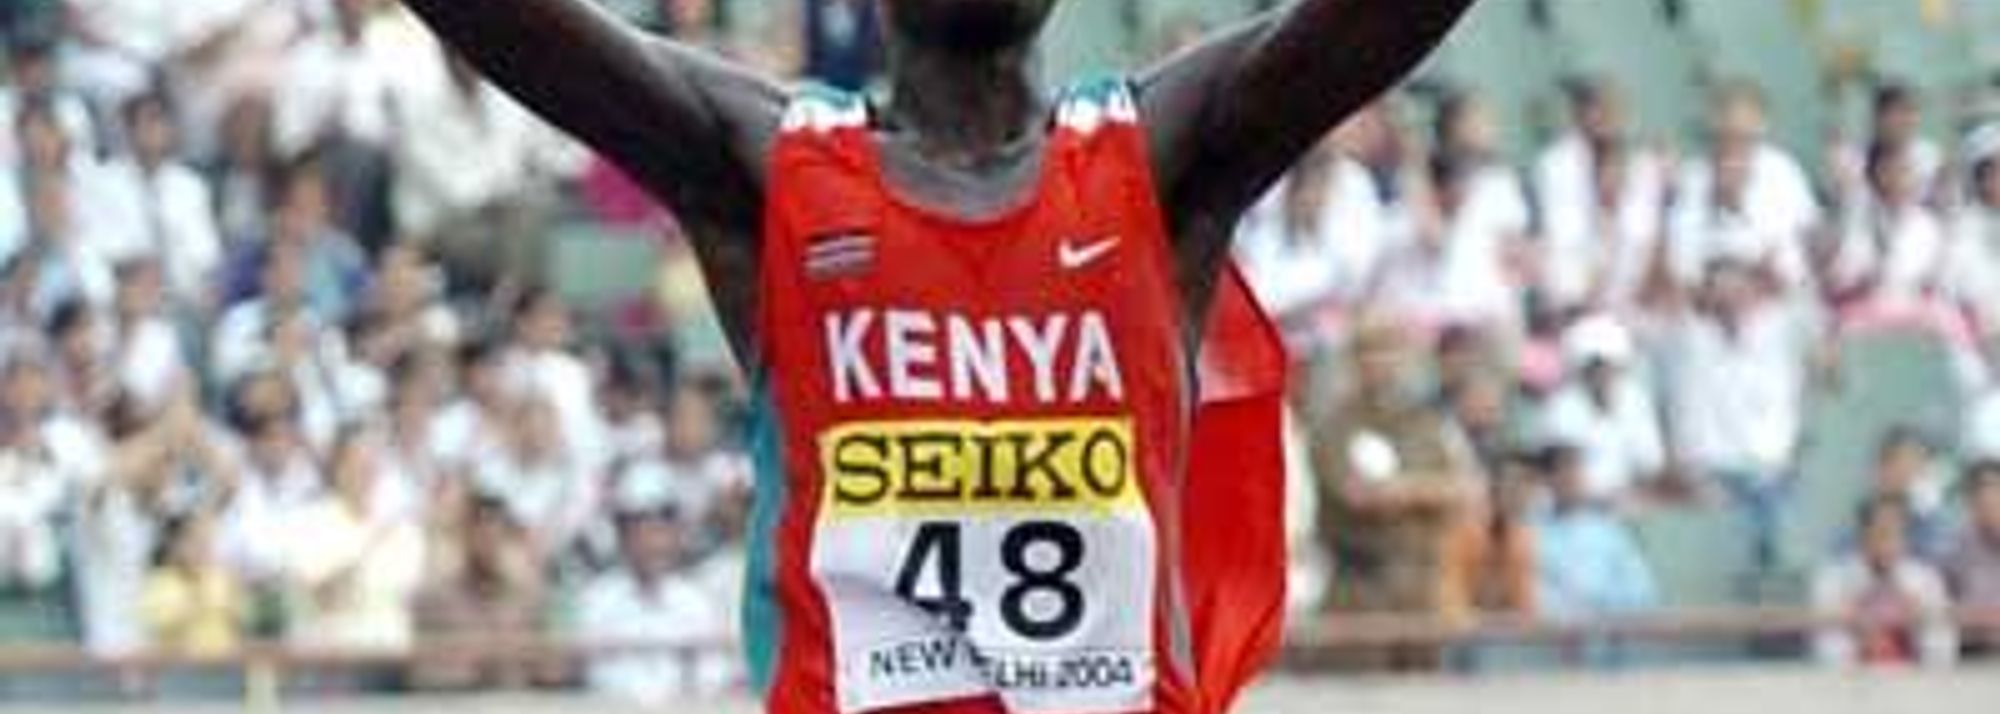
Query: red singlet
[[983, 427]]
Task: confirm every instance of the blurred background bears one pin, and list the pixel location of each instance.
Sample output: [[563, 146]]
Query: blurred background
[[1650, 339]]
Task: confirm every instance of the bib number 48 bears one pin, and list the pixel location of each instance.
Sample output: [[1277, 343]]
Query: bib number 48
[[1039, 603]]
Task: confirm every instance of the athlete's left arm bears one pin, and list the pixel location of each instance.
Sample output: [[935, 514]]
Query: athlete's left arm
[[1229, 115]]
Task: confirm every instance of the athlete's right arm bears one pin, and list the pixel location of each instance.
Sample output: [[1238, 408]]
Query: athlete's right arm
[[693, 129]]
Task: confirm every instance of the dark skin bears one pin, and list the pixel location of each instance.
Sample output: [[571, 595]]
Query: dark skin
[[963, 129]]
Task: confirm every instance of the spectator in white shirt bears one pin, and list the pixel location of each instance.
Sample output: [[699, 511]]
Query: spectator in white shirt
[[336, 84], [541, 361], [34, 486], [1608, 413], [1739, 369], [279, 478], [148, 356], [65, 267], [476, 424], [1893, 250], [176, 214], [464, 163], [1974, 264], [1897, 120], [1896, 608], [1312, 245], [34, 75], [541, 480], [1456, 271], [1602, 252], [651, 600], [1602, 199], [1747, 199]]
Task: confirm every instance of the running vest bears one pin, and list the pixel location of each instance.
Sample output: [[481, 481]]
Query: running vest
[[973, 470]]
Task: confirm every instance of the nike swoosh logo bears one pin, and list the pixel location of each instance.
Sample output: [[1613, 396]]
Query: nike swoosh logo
[[1073, 256]]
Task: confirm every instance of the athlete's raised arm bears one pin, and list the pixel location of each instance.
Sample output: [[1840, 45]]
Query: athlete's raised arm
[[690, 127], [1230, 114]]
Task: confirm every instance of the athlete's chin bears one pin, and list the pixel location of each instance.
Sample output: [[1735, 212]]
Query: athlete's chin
[[971, 26]]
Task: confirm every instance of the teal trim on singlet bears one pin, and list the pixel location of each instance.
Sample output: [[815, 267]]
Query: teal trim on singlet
[[762, 618]]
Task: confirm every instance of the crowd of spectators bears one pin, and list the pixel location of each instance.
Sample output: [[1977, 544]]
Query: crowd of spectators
[[278, 362], [1503, 367]]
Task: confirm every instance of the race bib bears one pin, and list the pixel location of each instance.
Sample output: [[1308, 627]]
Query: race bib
[[966, 559]]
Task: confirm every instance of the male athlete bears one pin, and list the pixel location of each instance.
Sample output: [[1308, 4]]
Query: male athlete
[[991, 480]]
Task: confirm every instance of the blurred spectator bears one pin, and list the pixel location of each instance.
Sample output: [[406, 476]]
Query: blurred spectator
[[539, 478], [843, 42], [191, 605], [240, 174], [1973, 265], [1896, 606], [33, 485], [1891, 258], [476, 423], [1972, 564], [1394, 480], [650, 599], [63, 267], [34, 75], [406, 291], [280, 477], [1746, 199], [464, 158], [332, 265], [164, 463], [1494, 561], [1607, 413], [147, 353], [493, 588], [1906, 470], [175, 213], [1480, 410], [1455, 271], [1311, 247], [1588, 561], [335, 91], [1740, 363], [352, 578], [1896, 125], [1601, 201], [630, 396], [540, 361]]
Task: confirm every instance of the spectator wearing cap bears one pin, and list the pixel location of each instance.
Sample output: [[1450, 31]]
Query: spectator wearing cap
[[1739, 364], [1394, 479], [1972, 562], [1745, 198], [1895, 607], [1974, 266], [649, 601], [351, 577], [1607, 413]]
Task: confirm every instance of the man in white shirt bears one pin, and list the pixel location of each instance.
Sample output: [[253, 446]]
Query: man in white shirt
[[336, 83], [1740, 368], [1456, 270], [174, 211], [1607, 413], [1973, 270], [650, 602], [1569, 173], [34, 75], [1313, 244], [1746, 198], [461, 147], [279, 479], [1893, 249], [541, 361], [65, 267]]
